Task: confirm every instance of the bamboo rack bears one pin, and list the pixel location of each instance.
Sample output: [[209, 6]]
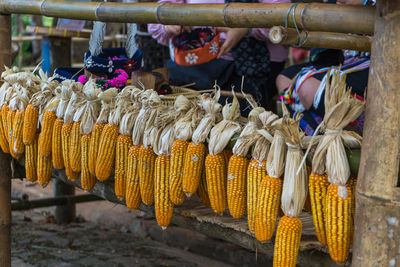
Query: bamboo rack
[[308, 16]]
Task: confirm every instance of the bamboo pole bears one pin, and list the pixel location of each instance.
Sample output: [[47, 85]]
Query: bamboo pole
[[289, 36], [377, 221], [5, 159], [308, 16]]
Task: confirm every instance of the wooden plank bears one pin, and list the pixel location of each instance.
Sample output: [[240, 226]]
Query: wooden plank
[[52, 31]]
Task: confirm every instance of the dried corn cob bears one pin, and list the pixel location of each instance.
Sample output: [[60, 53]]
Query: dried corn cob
[[4, 120], [65, 142], [56, 147], [193, 167], [227, 155], [216, 182], [10, 121], [162, 202], [44, 168], [46, 133], [133, 198], [88, 180], [17, 135], [269, 198], [317, 187], [121, 164], [75, 148], [287, 242], [177, 195], [352, 182], [236, 187], [3, 138], [30, 124], [31, 160], [94, 146], [106, 152], [255, 173], [202, 190], [146, 174]]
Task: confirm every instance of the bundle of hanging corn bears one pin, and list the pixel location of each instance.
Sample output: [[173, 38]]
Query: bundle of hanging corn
[[332, 204], [194, 177], [215, 163], [237, 166], [294, 193], [256, 169]]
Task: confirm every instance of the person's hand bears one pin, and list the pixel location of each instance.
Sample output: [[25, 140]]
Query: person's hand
[[173, 30], [233, 36]]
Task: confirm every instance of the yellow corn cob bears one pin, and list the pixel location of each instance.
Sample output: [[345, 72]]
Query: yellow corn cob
[[94, 146], [193, 166], [44, 168], [352, 182], [3, 138], [65, 144], [227, 155], [162, 203], [317, 187], [133, 198], [216, 182], [56, 147], [255, 173], [46, 133], [202, 190], [75, 148], [178, 150], [269, 199], [146, 174], [4, 120], [337, 223], [106, 152], [88, 180], [17, 140], [10, 121], [30, 123], [31, 152], [236, 187], [287, 242], [121, 164]]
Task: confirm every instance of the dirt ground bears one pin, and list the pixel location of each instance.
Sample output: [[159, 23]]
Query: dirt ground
[[106, 234]]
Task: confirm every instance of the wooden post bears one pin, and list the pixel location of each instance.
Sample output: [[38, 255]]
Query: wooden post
[[377, 221], [63, 213], [5, 160]]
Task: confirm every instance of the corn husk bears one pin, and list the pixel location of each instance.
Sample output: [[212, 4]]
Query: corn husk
[[66, 88], [222, 132], [187, 121], [107, 104], [163, 133], [74, 102], [264, 136]]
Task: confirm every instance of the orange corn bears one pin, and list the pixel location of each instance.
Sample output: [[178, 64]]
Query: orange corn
[[269, 199], [56, 147], [31, 160], [106, 153], [287, 242], [75, 148], [10, 121], [162, 203], [65, 144], [30, 123], [46, 133], [88, 180], [133, 198], [44, 168], [317, 187], [4, 120], [146, 174], [3, 138], [255, 173], [176, 193], [193, 166], [227, 155], [216, 182], [236, 187], [17, 142], [121, 164], [202, 190], [94, 146]]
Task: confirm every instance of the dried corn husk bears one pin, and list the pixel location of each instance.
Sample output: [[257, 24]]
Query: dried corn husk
[[132, 111], [264, 136], [107, 104], [164, 134], [187, 120], [66, 88]]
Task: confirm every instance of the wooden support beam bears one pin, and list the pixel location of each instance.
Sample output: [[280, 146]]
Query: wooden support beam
[[5, 159], [377, 221]]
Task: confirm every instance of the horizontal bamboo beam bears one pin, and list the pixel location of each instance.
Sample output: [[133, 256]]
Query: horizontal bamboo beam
[[289, 36], [308, 16]]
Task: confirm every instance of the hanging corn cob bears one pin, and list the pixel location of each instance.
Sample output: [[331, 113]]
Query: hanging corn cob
[[256, 171], [4, 89], [202, 190], [294, 194], [193, 166], [31, 160], [237, 165], [216, 167]]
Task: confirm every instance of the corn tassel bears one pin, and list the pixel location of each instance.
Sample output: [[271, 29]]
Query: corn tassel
[[202, 190], [10, 121], [269, 199], [287, 242], [133, 198], [236, 186], [193, 166], [75, 148], [88, 180], [18, 146], [31, 160], [56, 147], [338, 223], [317, 187], [3, 138], [106, 152], [255, 173], [30, 123], [216, 182], [176, 193], [46, 133], [94, 146], [162, 202], [44, 168], [146, 174], [121, 164], [65, 144]]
